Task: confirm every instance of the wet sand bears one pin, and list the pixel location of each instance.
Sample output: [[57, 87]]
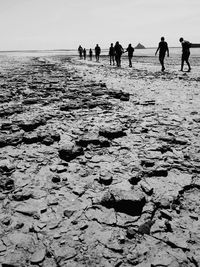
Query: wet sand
[[99, 166]]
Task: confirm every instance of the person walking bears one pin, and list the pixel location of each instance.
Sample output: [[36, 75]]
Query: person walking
[[118, 53], [80, 51], [112, 54], [162, 48], [185, 53], [90, 54], [84, 54], [130, 51], [97, 52]]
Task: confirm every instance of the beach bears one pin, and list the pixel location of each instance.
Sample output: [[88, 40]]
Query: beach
[[99, 165]]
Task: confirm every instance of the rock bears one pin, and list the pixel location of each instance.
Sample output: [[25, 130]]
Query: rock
[[93, 139], [48, 137], [159, 172], [119, 94], [7, 184], [71, 105], [106, 179], [2, 196], [27, 210], [68, 213], [127, 202], [3, 248], [11, 139], [21, 240], [6, 221], [6, 166], [131, 232], [147, 163], [145, 227], [56, 179], [70, 151], [22, 195], [63, 254], [98, 103], [28, 126], [38, 256], [166, 214], [112, 132], [115, 246], [146, 188], [136, 178], [48, 141], [125, 97], [30, 138]]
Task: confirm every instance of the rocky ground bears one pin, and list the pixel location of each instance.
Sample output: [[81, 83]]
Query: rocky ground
[[99, 166]]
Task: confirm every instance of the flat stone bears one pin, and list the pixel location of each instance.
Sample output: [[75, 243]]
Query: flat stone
[[93, 139], [64, 253], [112, 132], [38, 256], [27, 210]]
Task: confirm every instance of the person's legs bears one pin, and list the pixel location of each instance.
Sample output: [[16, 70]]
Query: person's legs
[[161, 59], [117, 60], [113, 60], [189, 67], [187, 61], [182, 61], [120, 61], [130, 61]]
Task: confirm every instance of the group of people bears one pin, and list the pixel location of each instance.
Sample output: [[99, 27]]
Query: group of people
[[116, 51], [163, 49], [82, 52]]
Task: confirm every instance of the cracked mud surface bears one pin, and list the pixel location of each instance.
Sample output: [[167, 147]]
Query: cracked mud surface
[[98, 166]]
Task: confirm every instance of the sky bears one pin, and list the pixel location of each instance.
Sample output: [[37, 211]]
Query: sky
[[65, 24]]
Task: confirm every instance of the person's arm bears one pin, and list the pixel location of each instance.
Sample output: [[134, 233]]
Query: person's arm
[[157, 50]]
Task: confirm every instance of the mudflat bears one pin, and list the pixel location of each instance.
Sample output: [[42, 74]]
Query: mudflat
[[99, 166]]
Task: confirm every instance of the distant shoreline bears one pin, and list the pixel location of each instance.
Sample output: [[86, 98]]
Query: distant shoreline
[[67, 50]]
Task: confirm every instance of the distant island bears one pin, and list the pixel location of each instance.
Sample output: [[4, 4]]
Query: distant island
[[140, 46]]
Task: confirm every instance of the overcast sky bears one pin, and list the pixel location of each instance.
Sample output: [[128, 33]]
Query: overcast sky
[[64, 24]]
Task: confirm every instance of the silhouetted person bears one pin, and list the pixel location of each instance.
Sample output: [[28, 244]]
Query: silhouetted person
[[118, 53], [112, 54], [84, 54], [185, 53], [130, 51], [162, 48], [90, 54], [97, 52], [80, 51]]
